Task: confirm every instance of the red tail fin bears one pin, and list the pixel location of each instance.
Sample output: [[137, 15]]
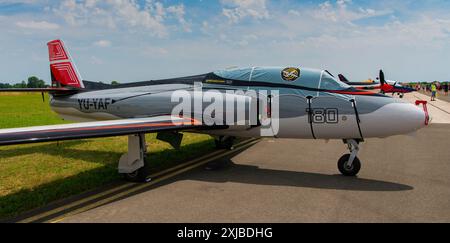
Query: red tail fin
[[63, 70]]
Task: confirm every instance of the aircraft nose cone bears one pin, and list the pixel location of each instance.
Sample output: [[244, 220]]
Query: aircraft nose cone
[[391, 117]]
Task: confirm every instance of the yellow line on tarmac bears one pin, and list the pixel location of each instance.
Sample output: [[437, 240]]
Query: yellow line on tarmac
[[73, 204], [143, 186], [101, 194], [118, 188]]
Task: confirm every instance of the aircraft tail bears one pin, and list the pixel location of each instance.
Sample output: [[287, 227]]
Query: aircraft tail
[[342, 78], [64, 73]]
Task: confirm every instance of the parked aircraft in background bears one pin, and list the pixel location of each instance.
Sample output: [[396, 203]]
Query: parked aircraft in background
[[385, 86], [281, 102]]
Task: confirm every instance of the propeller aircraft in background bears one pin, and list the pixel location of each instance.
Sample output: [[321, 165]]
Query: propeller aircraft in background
[[385, 86]]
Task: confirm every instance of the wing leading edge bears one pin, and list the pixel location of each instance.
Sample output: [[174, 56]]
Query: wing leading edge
[[96, 129]]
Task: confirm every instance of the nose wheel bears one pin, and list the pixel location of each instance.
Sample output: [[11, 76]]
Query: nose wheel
[[349, 169], [349, 164]]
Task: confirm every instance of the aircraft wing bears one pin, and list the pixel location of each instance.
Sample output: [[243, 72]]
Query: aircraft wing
[[96, 129]]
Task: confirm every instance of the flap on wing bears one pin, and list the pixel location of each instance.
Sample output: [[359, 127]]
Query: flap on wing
[[95, 129]]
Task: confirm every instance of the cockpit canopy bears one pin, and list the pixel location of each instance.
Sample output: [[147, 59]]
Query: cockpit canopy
[[302, 77]]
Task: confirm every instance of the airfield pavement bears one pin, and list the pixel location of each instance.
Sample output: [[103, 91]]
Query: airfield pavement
[[403, 179], [439, 109]]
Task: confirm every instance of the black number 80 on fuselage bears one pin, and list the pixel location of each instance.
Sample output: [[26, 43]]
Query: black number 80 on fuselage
[[320, 116]]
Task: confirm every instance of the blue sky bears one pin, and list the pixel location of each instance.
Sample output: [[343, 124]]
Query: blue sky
[[130, 40]]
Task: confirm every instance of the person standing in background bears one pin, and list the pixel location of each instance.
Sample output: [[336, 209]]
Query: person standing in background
[[433, 91], [446, 89]]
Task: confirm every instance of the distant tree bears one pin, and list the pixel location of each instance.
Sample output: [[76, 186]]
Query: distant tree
[[32, 82], [35, 82], [5, 86], [115, 83], [21, 85]]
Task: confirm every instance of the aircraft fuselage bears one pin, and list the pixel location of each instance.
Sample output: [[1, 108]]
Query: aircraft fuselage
[[304, 113]]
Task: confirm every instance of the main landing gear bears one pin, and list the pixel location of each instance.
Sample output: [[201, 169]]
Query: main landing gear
[[225, 142], [349, 164], [134, 165]]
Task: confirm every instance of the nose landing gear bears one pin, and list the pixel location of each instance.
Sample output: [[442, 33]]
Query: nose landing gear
[[349, 164]]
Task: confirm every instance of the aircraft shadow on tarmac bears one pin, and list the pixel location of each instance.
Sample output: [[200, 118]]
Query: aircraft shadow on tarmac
[[227, 171], [221, 171]]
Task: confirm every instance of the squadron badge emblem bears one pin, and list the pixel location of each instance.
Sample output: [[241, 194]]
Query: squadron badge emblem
[[290, 74]]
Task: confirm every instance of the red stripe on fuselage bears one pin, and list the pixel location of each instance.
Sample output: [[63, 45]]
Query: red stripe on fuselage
[[166, 124], [353, 92]]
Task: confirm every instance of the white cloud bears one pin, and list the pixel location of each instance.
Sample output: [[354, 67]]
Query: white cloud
[[37, 25], [150, 16], [90, 3], [179, 13], [154, 51], [294, 12], [129, 12], [236, 10], [247, 40], [339, 12], [328, 36], [103, 43], [20, 1], [96, 61]]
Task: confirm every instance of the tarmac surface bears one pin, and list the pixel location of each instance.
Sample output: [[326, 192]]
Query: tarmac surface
[[403, 179], [440, 95], [439, 109]]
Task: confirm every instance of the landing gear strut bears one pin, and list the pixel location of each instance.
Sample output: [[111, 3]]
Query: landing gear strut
[[133, 165], [349, 164]]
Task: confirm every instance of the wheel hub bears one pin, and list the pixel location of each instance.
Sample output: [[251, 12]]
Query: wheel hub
[[348, 167], [134, 174]]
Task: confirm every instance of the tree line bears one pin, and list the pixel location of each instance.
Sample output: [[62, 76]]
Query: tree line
[[33, 82]]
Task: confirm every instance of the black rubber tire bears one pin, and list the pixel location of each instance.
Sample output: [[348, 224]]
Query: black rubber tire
[[139, 176], [228, 143], [353, 171], [218, 144]]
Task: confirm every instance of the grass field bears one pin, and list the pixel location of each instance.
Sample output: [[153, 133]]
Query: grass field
[[35, 175]]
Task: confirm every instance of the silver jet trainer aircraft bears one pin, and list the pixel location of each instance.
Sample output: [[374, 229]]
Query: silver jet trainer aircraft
[[292, 102]]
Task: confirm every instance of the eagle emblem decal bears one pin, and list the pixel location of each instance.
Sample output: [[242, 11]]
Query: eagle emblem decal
[[290, 74]]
